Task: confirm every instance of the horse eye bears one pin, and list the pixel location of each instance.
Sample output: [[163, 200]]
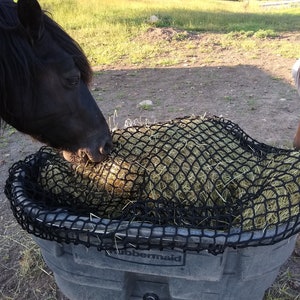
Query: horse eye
[[73, 81]]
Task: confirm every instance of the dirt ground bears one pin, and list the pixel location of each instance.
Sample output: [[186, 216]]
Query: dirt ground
[[257, 93]]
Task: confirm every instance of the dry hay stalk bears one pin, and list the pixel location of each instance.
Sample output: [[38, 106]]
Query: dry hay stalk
[[192, 161]]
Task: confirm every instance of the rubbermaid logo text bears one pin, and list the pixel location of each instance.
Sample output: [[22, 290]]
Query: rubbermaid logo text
[[151, 257]]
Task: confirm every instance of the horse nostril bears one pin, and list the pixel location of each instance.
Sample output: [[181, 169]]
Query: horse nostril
[[106, 149]]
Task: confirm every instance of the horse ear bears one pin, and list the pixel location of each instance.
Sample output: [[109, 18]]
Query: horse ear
[[31, 17]]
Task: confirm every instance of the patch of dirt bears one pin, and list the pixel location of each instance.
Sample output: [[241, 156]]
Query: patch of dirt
[[257, 93]]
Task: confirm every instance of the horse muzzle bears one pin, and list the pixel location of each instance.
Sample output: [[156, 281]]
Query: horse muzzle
[[85, 155]]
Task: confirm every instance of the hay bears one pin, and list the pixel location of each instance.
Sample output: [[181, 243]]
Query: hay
[[202, 167]]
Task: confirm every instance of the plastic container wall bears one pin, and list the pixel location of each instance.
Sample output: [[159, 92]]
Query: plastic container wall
[[86, 273]]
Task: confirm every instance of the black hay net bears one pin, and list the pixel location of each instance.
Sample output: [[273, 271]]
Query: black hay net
[[198, 183]]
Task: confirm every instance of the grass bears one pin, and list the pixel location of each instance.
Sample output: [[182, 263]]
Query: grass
[[282, 290], [9, 131], [23, 263], [108, 30]]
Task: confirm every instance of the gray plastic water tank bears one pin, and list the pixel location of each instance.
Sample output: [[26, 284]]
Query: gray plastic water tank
[[88, 274]]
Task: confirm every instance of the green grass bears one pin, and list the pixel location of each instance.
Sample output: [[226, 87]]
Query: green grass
[[108, 30]]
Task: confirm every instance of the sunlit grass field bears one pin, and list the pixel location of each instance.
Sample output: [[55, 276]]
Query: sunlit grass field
[[107, 29]]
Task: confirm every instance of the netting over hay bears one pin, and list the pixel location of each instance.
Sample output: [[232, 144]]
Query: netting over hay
[[192, 183]]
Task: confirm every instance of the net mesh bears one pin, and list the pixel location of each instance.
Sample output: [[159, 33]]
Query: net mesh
[[197, 183]]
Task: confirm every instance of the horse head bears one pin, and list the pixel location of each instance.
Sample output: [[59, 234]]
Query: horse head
[[44, 85]]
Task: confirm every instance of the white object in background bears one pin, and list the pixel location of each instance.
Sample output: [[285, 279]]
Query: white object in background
[[153, 19], [296, 74], [145, 104]]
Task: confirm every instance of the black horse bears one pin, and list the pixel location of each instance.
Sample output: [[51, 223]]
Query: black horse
[[43, 84]]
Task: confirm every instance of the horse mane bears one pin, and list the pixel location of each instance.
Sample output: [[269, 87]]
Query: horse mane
[[70, 46], [17, 57]]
